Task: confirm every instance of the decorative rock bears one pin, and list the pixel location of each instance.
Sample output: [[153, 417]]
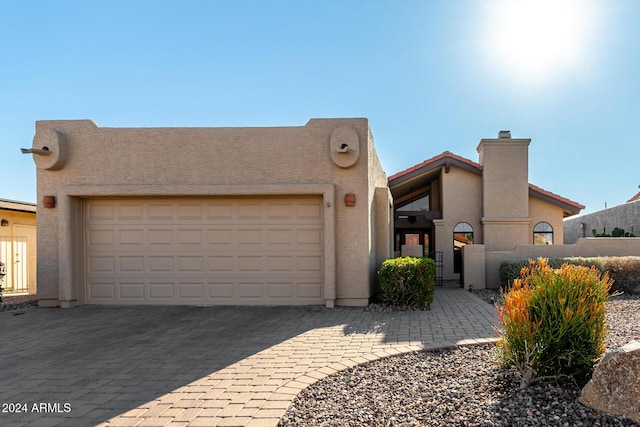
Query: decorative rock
[[615, 385]]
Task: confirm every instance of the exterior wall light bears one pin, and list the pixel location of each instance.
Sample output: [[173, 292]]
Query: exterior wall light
[[349, 199], [49, 202], [4, 222]]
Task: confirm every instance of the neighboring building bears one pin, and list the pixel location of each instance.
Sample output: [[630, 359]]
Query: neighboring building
[[286, 215], [626, 216], [635, 198], [18, 246], [448, 202]]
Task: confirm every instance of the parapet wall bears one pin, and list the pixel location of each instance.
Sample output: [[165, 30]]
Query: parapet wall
[[584, 247]]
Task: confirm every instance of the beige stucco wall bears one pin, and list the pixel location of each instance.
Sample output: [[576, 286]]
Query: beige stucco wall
[[474, 266], [539, 211], [505, 192], [461, 202], [584, 247], [150, 162], [23, 224]]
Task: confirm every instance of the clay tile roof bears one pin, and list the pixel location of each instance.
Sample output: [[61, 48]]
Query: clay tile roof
[[437, 161], [569, 205], [448, 157], [634, 198]]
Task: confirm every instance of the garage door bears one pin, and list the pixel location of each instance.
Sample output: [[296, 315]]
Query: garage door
[[204, 251]]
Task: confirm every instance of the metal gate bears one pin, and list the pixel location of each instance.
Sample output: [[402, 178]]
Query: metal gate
[[13, 253]]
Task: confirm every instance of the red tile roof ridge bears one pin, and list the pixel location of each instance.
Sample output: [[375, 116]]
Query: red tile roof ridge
[[434, 159], [548, 193], [634, 198]]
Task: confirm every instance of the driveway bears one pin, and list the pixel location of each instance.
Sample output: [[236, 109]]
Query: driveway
[[187, 365]]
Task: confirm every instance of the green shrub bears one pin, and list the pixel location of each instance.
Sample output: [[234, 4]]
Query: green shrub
[[617, 232], [624, 271], [552, 322], [407, 281]]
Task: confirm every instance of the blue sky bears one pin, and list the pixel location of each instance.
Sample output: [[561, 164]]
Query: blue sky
[[430, 76]]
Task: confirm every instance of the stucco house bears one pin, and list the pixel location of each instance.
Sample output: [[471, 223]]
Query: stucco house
[[447, 202], [282, 215], [18, 246]]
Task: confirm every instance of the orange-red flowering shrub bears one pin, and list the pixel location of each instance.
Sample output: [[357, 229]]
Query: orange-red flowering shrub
[[552, 322]]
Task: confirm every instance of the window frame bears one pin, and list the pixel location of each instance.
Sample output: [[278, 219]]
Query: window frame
[[547, 236]]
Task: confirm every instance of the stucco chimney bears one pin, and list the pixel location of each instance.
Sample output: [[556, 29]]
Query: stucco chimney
[[505, 190]]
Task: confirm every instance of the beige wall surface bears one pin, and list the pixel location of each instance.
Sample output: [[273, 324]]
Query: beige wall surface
[[587, 247], [15, 218], [461, 202], [540, 211], [91, 161]]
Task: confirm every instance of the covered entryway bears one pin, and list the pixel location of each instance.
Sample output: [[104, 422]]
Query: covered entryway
[[232, 250]]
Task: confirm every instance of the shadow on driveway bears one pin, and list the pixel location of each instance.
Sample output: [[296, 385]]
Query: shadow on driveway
[[92, 363]]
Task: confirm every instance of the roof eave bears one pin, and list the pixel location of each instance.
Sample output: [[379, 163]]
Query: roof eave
[[569, 207]]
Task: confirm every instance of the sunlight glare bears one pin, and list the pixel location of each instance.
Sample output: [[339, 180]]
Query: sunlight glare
[[537, 38]]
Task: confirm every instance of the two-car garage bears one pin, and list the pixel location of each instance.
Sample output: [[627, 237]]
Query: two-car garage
[[285, 215], [215, 250]]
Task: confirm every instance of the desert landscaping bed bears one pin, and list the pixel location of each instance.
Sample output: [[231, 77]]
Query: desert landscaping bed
[[455, 387]]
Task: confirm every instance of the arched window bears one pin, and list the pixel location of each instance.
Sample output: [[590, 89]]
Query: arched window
[[543, 234], [462, 235]]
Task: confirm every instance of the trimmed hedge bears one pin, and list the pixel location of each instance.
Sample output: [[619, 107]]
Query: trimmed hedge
[[625, 271], [407, 281]]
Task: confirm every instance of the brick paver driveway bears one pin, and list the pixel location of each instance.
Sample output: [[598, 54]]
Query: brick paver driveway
[[153, 365]]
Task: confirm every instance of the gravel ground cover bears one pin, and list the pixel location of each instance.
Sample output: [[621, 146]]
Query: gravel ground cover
[[455, 387], [18, 301]]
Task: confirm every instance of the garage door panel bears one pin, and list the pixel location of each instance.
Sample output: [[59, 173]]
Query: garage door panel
[[159, 236], [132, 264], [191, 290], [220, 263], [160, 263], [249, 210], [131, 237], [101, 264], [132, 291], [221, 291], [190, 263], [250, 290], [102, 291], [131, 212], [159, 211], [159, 291], [308, 237], [280, 263], [190, 236], [189, 211], [309, 263], [101, 237], [204, 251], [103, 211], [220, 238], [312, 290]]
